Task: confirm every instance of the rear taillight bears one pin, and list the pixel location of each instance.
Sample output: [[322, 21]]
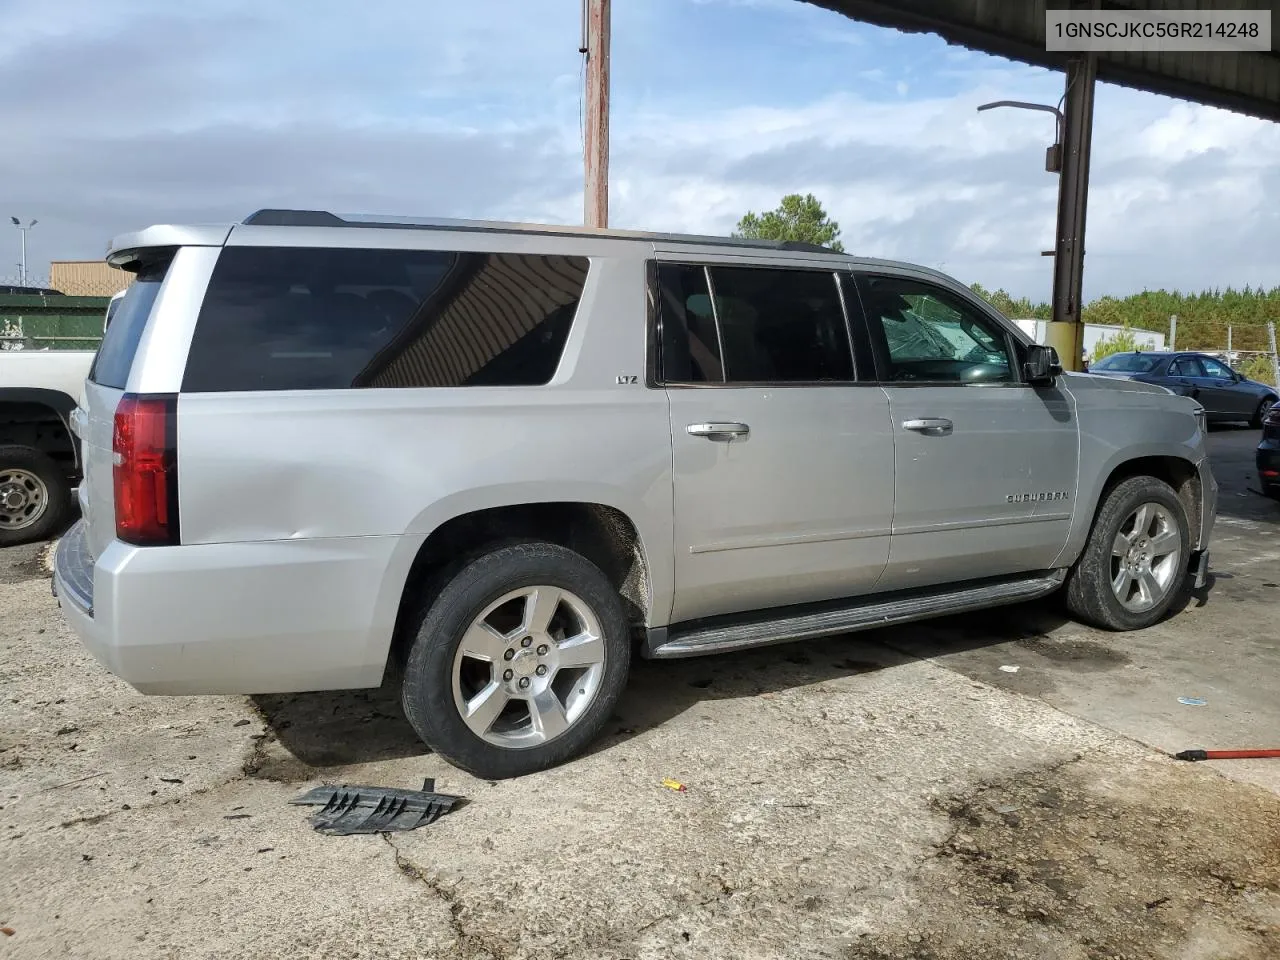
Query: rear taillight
[[145, 444], [1273, 415]]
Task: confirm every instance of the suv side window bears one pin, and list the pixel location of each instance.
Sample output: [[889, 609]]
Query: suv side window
[[690, 341], [781, 325], [324, 318], [925, 333], [751, 325]]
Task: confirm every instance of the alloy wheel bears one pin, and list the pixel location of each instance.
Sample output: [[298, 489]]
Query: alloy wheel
[[528, 667], [1146, 557]]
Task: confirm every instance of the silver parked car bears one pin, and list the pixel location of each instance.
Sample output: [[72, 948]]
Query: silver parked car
[[488, 458]]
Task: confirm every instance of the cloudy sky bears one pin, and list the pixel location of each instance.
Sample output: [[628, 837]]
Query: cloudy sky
[[116, 115]]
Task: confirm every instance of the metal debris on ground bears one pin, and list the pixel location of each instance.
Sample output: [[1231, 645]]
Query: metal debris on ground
[[675, 785], [352, 810], [1007, 668], [1192, 701]]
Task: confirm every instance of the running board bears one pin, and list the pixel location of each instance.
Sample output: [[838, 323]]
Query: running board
[[865, 614]]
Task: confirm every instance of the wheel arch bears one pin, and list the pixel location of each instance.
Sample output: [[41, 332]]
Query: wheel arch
[[604, 534], [1174, 468], [35, 405], [1178, 472]]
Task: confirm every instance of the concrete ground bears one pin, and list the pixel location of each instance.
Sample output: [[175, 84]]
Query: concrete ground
[[895, 794]]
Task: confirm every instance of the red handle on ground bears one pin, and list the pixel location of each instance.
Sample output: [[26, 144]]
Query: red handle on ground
[[1228, 754]]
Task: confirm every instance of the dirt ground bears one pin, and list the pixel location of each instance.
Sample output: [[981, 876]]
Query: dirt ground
[[902, 794]]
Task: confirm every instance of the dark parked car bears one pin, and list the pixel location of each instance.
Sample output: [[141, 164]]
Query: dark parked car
[[9, 289], [1224, 394], [1269, 454]]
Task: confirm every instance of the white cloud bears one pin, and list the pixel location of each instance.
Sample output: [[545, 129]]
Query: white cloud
[[472, 110]]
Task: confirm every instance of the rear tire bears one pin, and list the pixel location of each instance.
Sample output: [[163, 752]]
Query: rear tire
[[1134, 564], [35, 497], [518, 661], [1261, 412]]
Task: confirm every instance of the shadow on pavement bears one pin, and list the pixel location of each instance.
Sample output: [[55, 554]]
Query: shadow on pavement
[[346, 727], [341, 727], [22, 561]]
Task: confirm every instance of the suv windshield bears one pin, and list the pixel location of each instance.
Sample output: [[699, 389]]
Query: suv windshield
[[1127, 363]]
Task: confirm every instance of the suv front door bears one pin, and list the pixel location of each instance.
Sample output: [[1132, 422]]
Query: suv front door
[[986, 465], [783, 462]]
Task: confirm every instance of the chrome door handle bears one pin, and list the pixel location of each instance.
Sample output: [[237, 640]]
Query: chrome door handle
[[719, 432], [928, 424]]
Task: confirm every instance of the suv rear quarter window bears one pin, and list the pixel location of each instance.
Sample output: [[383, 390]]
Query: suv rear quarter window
[[120, 340], [325, 318]]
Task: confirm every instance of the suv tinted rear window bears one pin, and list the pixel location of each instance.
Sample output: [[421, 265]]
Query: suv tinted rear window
[[323, 318], [751, 325], [120, 340]]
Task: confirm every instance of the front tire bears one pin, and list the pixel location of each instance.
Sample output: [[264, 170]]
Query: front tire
[[518, 662], [1134, 565], [34, 495], [1260, 414]]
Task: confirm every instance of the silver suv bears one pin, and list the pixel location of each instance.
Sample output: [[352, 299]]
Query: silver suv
[[489, 459]]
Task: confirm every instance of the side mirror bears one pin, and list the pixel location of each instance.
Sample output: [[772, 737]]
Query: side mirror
[[1042, 364]]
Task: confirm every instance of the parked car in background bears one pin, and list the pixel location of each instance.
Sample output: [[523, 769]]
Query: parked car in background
[[7, 288], [1268, 457], [1225, 394], [490, 460]]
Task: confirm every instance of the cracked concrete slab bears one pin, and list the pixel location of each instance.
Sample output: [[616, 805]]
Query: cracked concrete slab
[[886, 795]]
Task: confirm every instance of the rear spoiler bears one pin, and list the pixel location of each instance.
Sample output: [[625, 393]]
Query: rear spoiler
[[128, 249]]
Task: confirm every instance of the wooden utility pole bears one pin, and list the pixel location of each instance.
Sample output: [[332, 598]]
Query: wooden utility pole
[[595, 44], [1066, 332]]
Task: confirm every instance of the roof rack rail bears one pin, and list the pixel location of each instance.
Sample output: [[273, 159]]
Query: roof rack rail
[[323, 218]]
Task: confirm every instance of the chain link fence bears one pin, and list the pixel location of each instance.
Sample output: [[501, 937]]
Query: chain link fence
[[48, 321]]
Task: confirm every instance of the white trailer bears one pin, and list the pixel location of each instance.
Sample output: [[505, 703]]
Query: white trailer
[[1093, 332]]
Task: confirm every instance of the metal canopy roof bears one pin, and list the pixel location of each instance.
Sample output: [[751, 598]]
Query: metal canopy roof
[[1245, 82]]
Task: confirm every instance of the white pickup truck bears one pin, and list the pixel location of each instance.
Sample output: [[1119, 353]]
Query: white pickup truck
[[39, 453]]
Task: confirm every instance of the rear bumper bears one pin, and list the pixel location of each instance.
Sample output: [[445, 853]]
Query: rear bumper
[[269, 617], [1268, 462]]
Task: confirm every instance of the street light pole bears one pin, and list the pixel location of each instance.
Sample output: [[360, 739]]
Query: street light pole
[[1053, 156], [22, 267], [1069, 159]]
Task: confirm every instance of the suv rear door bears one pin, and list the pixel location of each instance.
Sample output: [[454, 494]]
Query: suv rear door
[[986, 465], [783, 461]]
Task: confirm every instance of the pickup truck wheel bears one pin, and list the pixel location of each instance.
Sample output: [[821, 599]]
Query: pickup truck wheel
[[1134, 565], [518, 661], [34, 495]]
